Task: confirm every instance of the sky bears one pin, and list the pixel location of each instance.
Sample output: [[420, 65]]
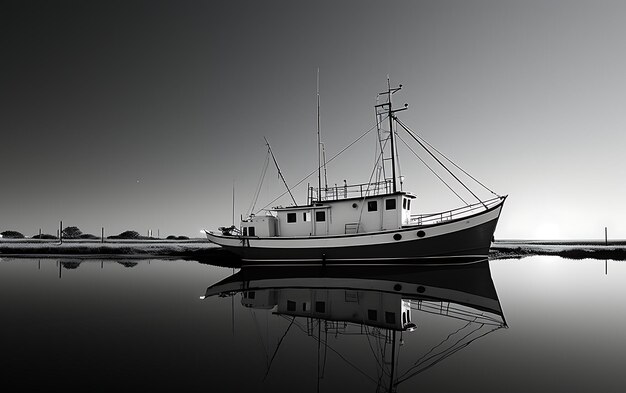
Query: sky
[[145, 115]]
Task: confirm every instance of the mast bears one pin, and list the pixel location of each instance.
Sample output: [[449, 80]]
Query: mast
[[319, 159], [390, 114], [279, 172], [393, 138]]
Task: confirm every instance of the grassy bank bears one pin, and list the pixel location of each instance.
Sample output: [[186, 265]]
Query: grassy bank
[[578, 249], [187, 249], [204, 251]]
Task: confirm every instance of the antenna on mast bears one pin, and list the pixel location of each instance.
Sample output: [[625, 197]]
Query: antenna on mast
[[387, 107]]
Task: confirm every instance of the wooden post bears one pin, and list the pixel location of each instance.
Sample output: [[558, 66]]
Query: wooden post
[[102, 234], [39, 233], [61, 232], [606, 243]]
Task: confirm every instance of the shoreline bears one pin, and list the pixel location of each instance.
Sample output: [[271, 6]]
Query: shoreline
[[575, 249], [203, 250]]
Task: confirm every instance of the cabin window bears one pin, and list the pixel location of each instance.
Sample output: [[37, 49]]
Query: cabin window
[[291, 217], [372, 206], [320, 216], [404, 318], [320, 307], [372, 315], [408, 204], [245, 231], [390, 204], [291, 305], [404, 203], [251, 231], [390, 317], [306, 216]]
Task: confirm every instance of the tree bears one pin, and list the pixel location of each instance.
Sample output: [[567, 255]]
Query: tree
[[72, 233], [12, 235]]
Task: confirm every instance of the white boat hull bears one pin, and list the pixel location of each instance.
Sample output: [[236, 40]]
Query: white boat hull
[[465, 240]]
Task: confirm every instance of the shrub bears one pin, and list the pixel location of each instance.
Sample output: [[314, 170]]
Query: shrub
[[126, 235], [173, 237], [12, 235], [44, 236]]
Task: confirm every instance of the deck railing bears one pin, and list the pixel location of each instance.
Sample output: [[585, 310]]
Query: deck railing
[[349, 191], [434, 218]]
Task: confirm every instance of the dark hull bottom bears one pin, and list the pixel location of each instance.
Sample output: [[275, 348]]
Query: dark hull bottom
[[464, 246]]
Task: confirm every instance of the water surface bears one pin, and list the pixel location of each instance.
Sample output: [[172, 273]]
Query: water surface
[[102, 325]]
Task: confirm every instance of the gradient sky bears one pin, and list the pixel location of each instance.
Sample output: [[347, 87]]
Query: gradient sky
[[144, 114]]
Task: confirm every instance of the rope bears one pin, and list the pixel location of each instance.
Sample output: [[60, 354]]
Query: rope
[[277, 347], [432, 170], [439, 161], [444, 156], [258, 189], [315, 170], [341, 356], [446, 353]]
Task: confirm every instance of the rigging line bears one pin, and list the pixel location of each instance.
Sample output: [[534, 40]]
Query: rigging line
[[319, 343], [439, 161], [315, 170], [367, 335], [262, 178], [443, 354], [444, 156], [277, 347], [397, 157], [367, 190], [418, 361], [325, 347], [279, 172], [258, 330], [448, 355], [341, 356], [432, 170]]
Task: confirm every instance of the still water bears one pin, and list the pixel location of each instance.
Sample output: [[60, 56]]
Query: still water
[[535, 324]]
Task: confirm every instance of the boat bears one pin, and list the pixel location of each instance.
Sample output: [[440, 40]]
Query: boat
[[380, 302], [368, 222]]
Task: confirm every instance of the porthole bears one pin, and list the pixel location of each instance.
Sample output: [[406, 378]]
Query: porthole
[[397, 236], [354, 205], [421, 289], [397, 287], [421, 233]]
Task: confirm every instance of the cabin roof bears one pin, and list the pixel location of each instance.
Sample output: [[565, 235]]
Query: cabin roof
[[328, 203]]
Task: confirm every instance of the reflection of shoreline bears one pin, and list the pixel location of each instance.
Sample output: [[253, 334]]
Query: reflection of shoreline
[[203, 250], [615, 250]]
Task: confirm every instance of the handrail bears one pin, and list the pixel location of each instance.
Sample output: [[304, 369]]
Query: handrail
[[433, 218], [350, 191]]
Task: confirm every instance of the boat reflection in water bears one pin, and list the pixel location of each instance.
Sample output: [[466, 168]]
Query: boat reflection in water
[[384, 303]]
